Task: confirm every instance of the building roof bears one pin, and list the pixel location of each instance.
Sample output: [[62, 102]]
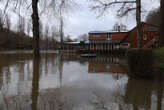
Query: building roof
[[110, 31], [72, 42]]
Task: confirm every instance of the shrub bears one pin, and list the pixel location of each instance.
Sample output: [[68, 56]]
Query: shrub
[[140, 63], [159, 57], [159, 53]]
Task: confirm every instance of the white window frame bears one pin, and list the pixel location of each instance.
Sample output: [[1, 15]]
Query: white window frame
[[125, 45], [145, 37], [97, 35], [109, 36]]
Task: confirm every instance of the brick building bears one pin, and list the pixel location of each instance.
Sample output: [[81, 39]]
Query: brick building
[[113, 40]]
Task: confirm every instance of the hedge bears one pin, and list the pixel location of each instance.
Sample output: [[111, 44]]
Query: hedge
[[140, 63]]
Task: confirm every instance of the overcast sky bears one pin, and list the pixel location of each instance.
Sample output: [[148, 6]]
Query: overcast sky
[[81, 19]]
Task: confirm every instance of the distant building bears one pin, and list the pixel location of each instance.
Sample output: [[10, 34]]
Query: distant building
[[113, 40], [71, 45], [105, 40], [150, 35]]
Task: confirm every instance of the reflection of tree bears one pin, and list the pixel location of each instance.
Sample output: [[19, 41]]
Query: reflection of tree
[[28, 70], [1, 78], [138, 93], [35, 83], [8, 74], [49, 63], [60, 69], [46, 64], [159, 90], [53, 63]]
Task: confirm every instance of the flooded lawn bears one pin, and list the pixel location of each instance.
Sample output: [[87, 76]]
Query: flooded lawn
[[69, 82]]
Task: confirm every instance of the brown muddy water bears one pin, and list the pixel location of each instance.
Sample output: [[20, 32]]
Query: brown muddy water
[[69, 82]]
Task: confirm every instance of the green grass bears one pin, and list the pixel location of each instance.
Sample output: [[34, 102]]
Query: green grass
[[159, 55]]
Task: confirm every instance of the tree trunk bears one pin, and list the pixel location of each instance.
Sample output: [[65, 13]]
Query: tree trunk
[[161, 37], [139, 24], [61, 33], [35, 22]]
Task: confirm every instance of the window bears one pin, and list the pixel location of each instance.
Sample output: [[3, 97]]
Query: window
[[124, 45], [98, 35], [149, 29], [108, 36], [145, 37]]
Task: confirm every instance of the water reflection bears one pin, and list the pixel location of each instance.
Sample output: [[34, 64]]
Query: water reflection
[[138, 93], [143, 94], [112, 64], [35, 83], [70, 82], [60, 69], [107, 64], [159, 91]]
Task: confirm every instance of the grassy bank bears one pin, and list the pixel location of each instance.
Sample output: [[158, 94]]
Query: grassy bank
[[159, 58]]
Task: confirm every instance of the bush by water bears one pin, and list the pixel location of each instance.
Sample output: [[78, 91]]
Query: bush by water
[[140, 63]]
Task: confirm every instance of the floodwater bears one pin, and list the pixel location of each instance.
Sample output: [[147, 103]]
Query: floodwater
[[69, 82]]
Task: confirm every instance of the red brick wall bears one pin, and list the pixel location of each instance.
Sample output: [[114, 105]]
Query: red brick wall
[[104, 36], [93, 36], [118, 35], [132, 38]]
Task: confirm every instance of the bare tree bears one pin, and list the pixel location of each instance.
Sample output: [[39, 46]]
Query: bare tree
[[154, 17], [8, 22], [161, 38], [35, 22], [58, 5], [1, 20], [68, 39], [125, 6], [46, 34], [21, 25], [28, 28], [83, 37], [119, 27], [62, 8], [55, 33], [61, 31], [139, 25], [41, 30]]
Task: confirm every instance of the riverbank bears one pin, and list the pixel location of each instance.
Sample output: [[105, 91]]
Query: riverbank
[[146, 63], [159, 62], [159, 57]]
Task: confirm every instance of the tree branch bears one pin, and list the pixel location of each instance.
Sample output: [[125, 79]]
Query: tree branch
[[124, 9]]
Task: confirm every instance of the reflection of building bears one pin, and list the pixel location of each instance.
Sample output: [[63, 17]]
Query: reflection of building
[[115, 68], [93, 67], [107, 64]]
